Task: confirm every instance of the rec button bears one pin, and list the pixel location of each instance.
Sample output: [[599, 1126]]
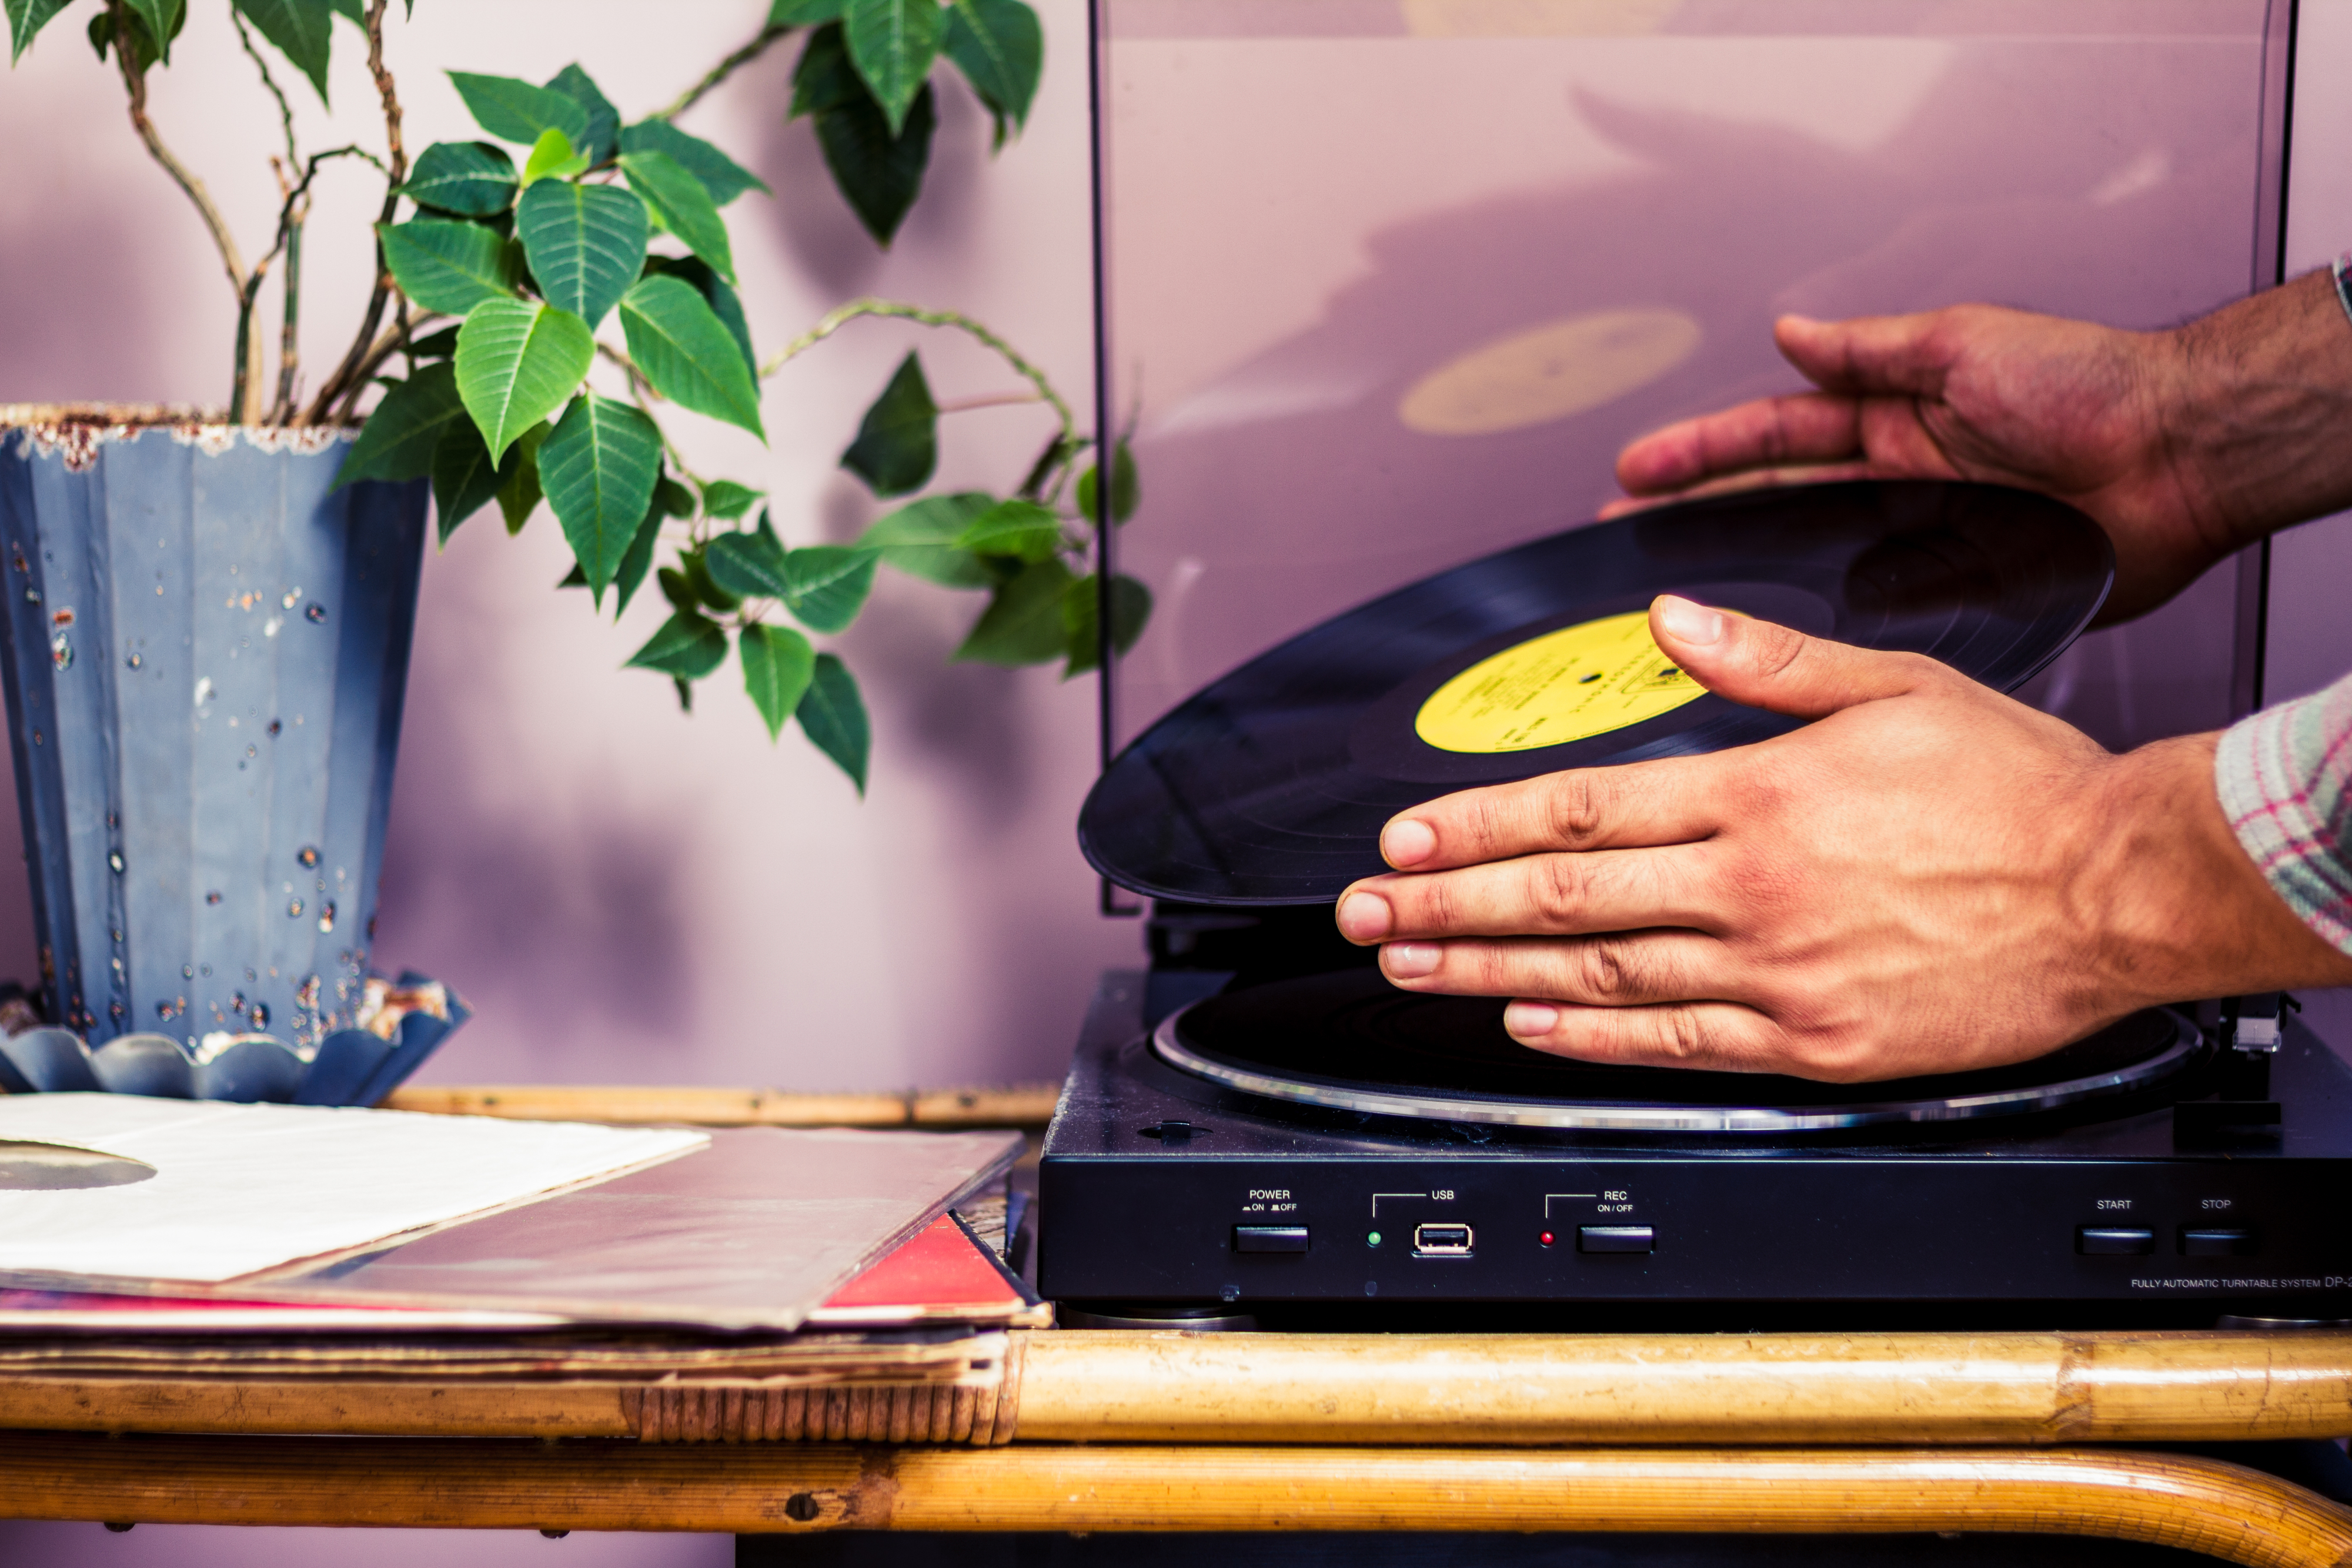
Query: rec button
[[1269, 1238], [2100, 1241], [1616, 1238]]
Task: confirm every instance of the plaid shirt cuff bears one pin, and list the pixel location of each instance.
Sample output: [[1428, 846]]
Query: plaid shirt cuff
[[2284, 777]]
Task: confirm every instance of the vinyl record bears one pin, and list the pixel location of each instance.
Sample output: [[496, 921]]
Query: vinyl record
[[1352, 1041], [1271, 785]]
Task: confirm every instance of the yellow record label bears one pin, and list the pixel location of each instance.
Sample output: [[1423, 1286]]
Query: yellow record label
[[1564, 686]]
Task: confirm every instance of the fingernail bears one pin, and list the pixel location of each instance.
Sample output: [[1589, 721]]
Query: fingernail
[[1364, 917], [1688, 623], [1408, 842], [1410, 960], [1530, 1021]]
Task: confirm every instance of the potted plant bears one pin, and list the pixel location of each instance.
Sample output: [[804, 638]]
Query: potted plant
[[208, 613]]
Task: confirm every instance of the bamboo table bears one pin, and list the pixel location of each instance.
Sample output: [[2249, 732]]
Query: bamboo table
[[1150, 1430]]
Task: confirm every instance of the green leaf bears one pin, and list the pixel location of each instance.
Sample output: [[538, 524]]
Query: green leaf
[[677, 588], [604, 137], [684, 207], [519, 491], [351, 11], [447, 265], [639, 558], [696, 564], [777, 664], [897, 444], [144, 45], [584, 243], [518, 360], [1130, 607], [300, 29], [687, 646], [472, 179], [892, 43], [802, 12], [517, 111], [748, 565], [828, 585], [1000, 49], [833, 716], [464, 480], [726, 498], [163, 19], [1020, 529], [1023, 624], [687, 355], [1126, 489], [674, 498], [551, 157], [722, 300], [879, 174], [599, 465], [437, 345], [399, 438], [824, 78], [721, 176], [919, 539], [26, 18]]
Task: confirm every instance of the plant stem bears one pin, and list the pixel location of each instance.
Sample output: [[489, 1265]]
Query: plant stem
[[135, 83], [290, 342], [842, 316], [285, 109], [351, 377], [289, 238], [988, 400], [723, 71]]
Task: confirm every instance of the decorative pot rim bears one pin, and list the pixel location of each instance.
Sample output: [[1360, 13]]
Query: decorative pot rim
[[77, 430]]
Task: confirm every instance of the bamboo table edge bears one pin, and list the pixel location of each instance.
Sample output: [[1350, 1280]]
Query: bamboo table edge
[[2203, 1505], [1168, 1386]]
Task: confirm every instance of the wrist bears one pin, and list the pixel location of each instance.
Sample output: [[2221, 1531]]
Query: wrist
[[2179, 910], [2250, 403]]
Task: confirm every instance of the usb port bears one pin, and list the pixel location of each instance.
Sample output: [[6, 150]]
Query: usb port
[[1442, 1241]]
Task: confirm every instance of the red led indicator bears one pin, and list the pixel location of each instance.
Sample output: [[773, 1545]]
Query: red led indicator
[[1547, 1239]]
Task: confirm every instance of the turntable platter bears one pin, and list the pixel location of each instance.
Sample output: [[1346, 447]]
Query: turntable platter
[[1352, 1041]]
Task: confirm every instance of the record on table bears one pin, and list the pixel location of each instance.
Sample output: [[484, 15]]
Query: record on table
[[1271, 785], [1350, 1041]]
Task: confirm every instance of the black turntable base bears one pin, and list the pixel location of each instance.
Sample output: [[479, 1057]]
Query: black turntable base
[[1327, 1150]]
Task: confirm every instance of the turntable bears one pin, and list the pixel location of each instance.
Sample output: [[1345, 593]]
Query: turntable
[[1258, 1126]]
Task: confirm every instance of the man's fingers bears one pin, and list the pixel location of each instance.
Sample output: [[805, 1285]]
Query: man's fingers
[[1672, 800], [1750, 479], [1776, 668], [1869, 355], [1769, 433], [1537, 895], [1719, 1037], [1623, 970]]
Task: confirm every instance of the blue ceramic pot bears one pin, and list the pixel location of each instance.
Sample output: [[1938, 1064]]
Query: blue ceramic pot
[[206, 651]]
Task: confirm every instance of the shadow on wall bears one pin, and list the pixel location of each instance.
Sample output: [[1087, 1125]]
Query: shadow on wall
[[570, 919]]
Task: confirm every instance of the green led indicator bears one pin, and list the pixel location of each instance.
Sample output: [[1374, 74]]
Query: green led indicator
[[1372, 1238]]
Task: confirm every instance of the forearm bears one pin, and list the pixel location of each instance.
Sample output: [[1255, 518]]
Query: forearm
[[2253, 407]]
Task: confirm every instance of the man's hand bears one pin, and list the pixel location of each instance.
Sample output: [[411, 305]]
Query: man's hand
[[1930, 878], [2184, 445]]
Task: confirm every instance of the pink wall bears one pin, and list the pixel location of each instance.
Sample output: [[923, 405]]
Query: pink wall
[[624, 892]]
